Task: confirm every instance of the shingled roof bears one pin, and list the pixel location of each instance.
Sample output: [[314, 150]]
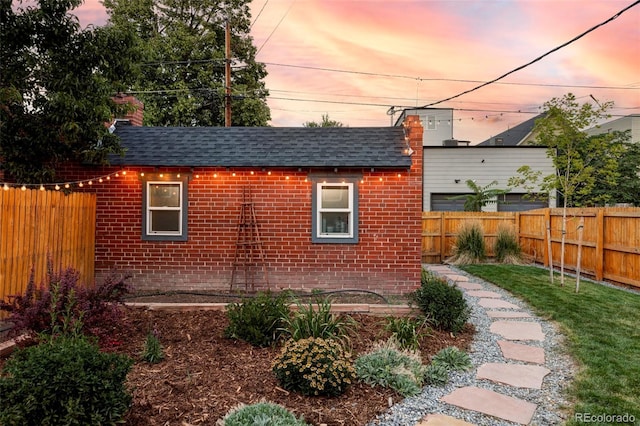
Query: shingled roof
[[380, 147], [513, 136]]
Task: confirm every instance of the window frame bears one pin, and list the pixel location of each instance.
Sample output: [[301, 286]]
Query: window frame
[[166, 179], [350, 237]]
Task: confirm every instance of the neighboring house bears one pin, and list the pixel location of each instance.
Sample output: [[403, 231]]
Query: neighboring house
[[448, 163], [521, 134], [446, 170], [336, 208], [629, 122], [437, 124]]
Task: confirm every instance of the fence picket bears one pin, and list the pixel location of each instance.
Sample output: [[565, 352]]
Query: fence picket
[[610, 242], [39, 225]]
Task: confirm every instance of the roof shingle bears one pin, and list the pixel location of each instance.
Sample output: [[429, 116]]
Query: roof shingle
[[262, 147]]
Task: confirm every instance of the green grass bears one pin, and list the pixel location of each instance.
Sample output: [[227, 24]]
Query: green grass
[[602, 326]]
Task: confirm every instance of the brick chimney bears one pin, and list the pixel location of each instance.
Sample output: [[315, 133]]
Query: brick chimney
[[136, 116]]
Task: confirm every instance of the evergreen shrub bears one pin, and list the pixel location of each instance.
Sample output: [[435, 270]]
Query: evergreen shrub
[[64, 381], [443, 304]]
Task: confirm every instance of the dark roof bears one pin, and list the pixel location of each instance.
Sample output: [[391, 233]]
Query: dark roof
[[262, 146], [514, 135]]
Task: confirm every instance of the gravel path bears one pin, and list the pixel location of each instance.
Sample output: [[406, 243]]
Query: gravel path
[[551, 400]]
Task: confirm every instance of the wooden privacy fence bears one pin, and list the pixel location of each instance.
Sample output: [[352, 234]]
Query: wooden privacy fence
[[610, 238], [39, 225]]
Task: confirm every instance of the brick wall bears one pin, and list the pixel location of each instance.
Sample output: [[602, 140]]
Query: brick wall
[[386, 258]]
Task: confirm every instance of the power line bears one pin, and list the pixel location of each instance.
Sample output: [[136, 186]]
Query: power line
[[536, 59], [455, 80], [259, 13], [630, 86], [276, 27]]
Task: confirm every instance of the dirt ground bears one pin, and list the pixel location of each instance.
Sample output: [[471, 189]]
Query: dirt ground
[[204, 374]]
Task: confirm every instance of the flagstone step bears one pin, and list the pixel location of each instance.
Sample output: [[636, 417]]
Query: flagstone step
[[469, 286], [508, 314], [520, 352], [518, 330], [496, 304], [518, 375], [492, 403], [456, 277], [441, 420], [484, 293]]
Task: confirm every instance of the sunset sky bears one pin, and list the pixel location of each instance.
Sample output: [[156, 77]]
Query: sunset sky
[[355, 59]]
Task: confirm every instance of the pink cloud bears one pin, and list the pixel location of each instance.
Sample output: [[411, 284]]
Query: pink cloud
[[431, 41]]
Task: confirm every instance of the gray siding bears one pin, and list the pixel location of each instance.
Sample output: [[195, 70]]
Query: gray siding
[[447, 169]]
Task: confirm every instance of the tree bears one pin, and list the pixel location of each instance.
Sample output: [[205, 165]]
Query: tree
[[326, 122], [182, 79], [56, 85], [579, 160], [482, 195], [616, 173]]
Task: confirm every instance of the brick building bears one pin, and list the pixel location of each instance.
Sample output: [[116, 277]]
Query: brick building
[[336, 208]]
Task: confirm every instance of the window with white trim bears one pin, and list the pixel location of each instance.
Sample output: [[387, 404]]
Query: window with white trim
[[164, 210], [335, 218]]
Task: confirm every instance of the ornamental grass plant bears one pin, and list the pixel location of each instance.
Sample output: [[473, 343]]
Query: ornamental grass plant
[[506, 248], [469, 247]]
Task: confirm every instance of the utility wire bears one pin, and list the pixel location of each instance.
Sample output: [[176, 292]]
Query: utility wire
[[536, 59], [455, 80], [259, 13], [276, 27]]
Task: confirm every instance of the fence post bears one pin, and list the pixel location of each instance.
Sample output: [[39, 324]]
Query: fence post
[[599, 245], [579, 260], [442, 237], [547, 237]]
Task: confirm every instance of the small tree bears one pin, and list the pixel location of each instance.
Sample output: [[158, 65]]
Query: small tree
[[577, 157], [482, 195], [326, 122]]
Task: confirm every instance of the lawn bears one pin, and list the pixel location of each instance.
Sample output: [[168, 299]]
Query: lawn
[[602, 325]]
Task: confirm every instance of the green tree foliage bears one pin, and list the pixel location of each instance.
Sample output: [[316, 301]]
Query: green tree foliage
[[616, 173], [582, 162], [326, 122], [182, 78], [481, 196], [56, 85]]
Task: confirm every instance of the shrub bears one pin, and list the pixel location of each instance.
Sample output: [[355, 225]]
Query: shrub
[[452, 358], [443, 304], [390, 366], [319, 322], [257, 320], [436, 375], [407, 331], [40, 309], [314, 366], [506, 247], [64, 381], [153, 352], [261, 413], [469, 247]]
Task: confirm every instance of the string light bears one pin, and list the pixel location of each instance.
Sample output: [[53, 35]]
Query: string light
[[57, 186]]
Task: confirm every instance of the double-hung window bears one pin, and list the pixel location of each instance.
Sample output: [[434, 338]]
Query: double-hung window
[[335, 212], [165, 210]]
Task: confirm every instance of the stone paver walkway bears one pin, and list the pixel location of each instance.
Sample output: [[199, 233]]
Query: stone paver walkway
[[523, 365]]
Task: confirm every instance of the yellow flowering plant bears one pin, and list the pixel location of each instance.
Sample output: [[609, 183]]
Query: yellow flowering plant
[[314, 366]]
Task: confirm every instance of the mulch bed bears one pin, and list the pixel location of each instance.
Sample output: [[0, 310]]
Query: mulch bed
[[205, 374]]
